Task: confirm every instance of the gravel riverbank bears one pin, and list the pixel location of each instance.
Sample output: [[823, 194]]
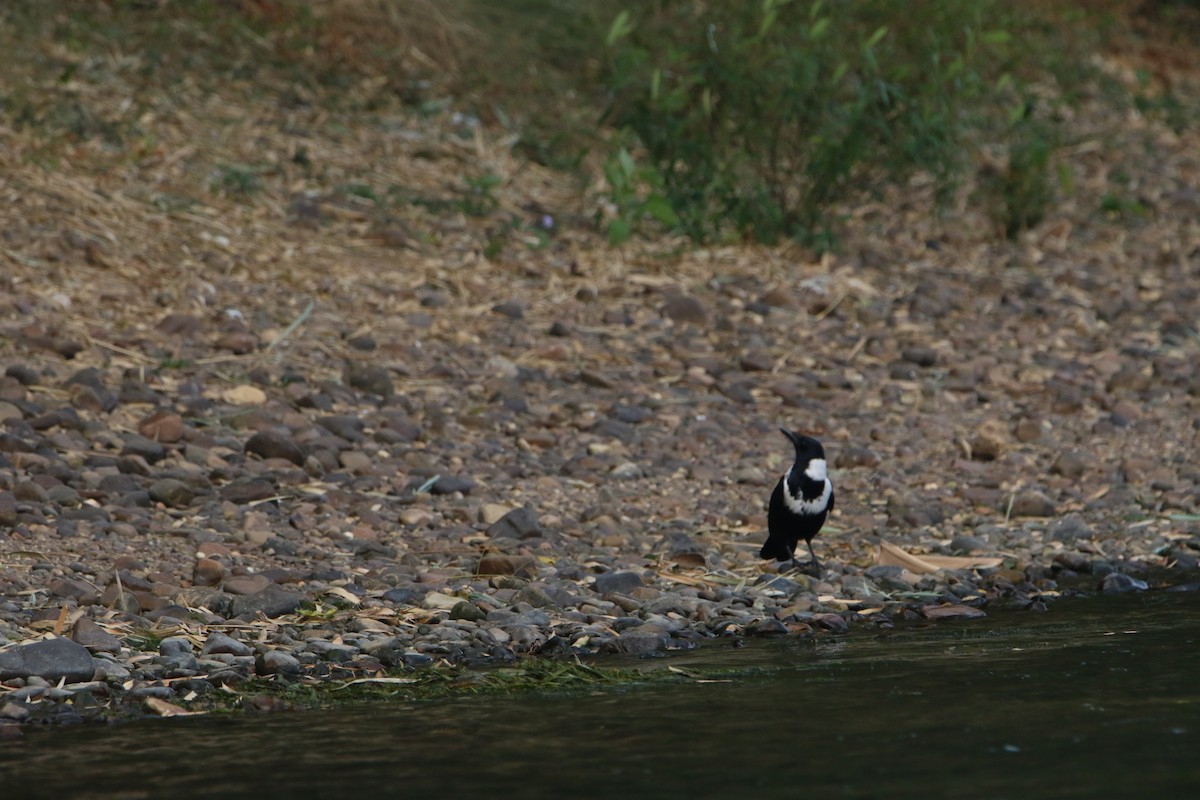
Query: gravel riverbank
[[276, 430]]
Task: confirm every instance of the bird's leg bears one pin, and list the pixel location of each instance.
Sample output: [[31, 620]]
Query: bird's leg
[[814, 566], [796, 565]]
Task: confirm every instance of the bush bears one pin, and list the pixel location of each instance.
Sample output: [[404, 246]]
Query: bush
[[759, 117]]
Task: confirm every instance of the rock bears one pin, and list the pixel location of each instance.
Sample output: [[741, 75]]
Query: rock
[[449, 484], [631, 415], [520, 523], [990, 440], [248, 490], [93, 637], [237, 342], [967, 544], [618, 582], [1028, 431], [277, 662], [370, 378], [521, 566], [273, 601], [52, 660], [1071, 528], [171, 492], [756, 361], [684, 308], [491, 513], [95, 399], [244, 395], [780, 297], [951, 611], [510, 308], [221, 643], [1032, 503], [1117, 583], [913, 511], [627, 470], [8, 509], [415, 517], [345, 426], [920, 355], [137, 445], [641, 640], [856, 456], [830, 622], [1076, 562], [859, 588], [246, 584], [162, 426], [768, 626], [466, 610], [207, 572], [276, 443], [1070, 464], [30, 492]]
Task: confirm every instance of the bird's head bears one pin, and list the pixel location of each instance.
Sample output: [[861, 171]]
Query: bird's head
[[807, 448]]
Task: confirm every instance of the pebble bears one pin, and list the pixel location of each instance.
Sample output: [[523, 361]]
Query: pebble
[[520, 523], [275, 443], [53, 660], [93, 637]]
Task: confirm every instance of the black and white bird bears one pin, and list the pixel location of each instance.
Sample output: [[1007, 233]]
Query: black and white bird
[[801, 501]]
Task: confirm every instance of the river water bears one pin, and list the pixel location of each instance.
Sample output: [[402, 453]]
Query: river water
[[1098, 697]]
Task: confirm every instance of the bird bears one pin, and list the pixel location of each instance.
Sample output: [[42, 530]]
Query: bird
[[801, 501]]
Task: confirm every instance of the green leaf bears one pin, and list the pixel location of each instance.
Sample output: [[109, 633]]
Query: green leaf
[[620, 28], [619, 231], [875, 38], [626, 162], [996, 37], [660, 209]]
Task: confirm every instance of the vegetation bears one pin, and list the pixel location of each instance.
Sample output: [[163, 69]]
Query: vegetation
[[750, 121]]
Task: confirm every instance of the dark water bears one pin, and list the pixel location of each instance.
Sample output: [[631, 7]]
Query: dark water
[[1095, 698]]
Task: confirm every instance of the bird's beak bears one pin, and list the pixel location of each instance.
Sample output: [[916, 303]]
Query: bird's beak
[[794, 438]]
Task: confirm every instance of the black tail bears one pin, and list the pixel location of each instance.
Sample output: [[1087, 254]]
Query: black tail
[[775, 548]]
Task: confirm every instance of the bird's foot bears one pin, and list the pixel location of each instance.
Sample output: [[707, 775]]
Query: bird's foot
[[812, 568]]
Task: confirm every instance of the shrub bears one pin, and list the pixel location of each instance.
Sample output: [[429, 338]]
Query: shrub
[[758, 117]]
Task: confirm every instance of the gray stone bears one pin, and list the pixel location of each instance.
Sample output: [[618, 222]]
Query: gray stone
[[684, 308], [1071, 528], [520, 523], [449, 484], [172, 492], [967, 544], [768, 626], [174, 645], [150, 450], [620, 582], [347, 427], [369, 378], [860, 588], [1118, 582], [276, 662], [627, 470], [51, 659], [1032, 503], [220, 643], [641, 640], [467, 610], [247, 490], [276, 443], [510, 308], [273, 601], [93, 637]]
